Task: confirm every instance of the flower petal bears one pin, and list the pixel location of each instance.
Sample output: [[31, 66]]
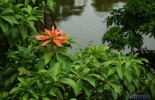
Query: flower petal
[[48, 32], [55, 33], [45, 43], [52, 28], [58, 42], [64, 41], [42, 37], [62, 36]]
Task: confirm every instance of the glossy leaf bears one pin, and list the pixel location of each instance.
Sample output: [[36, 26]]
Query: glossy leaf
[[48, 57], [16, 90], [7, 11], [56, 69], [90, 80], [33, 93], [120, 71], [12, 20], [128, 75], [111, 70], [25, 96]]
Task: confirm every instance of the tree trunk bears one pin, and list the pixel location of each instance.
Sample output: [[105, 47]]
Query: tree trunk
[[48, 22]]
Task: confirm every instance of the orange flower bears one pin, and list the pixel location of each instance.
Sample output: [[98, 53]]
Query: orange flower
[[53, 36]]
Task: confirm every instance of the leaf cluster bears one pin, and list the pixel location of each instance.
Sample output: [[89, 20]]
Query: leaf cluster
[[130, 23]]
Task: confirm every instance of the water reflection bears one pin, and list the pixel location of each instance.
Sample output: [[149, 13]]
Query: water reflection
[[66, 8], [81, 20], [104, 5]]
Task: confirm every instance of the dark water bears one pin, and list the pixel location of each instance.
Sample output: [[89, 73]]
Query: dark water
[[83, 19]]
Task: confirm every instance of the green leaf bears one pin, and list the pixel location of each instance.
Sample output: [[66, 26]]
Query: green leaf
[[23, 81], [24, 32], [48, 57], [120, 71], [52, 93], [40, 65], [78, 87], [51, 4], [120, 56], [128, 75], [32, 18], [111, 70], [32, 80], [25, 96], [27, 2], [152, 87], [7, 82], [85, 71], [42, 71], [127, 64], [96, 76], [131, 88], [57, 69], [89, 80], [66, 54], [59, 94], [136, 82], [31, 25], [116, 87], [73, 99], [11, 19], [14, 77], [107, 86], [15, 90], [34, 1], [5, 94], [87, 90], [23, 71], [74, 71], [137, 69], [7, 11], [9, 70], [107, 63], [28, 9], [45, 98], [5, 27], [68, 81], [14, 32], [59, 59], [114, 95], [34, 93]]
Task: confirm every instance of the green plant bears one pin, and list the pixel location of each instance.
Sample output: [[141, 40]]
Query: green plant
[[129, 24], [39, 76], [115, 75], [43, 84], [18, 47], [33, 72]]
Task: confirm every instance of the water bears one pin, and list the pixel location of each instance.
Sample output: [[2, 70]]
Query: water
[[83, 19]]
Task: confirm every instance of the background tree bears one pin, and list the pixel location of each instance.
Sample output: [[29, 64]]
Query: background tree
[[128, 24]]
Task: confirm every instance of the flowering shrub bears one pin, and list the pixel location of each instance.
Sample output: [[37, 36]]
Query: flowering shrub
[[53, 36], [29, 71]]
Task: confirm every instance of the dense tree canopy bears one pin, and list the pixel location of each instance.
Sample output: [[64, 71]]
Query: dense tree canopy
[[128, 24]]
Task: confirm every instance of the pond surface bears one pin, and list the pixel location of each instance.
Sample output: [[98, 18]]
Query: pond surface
[[84, 20]]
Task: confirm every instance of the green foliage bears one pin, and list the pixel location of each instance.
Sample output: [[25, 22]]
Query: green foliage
[[113, 73], [31, 72], [130, 23], [18, 46]]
